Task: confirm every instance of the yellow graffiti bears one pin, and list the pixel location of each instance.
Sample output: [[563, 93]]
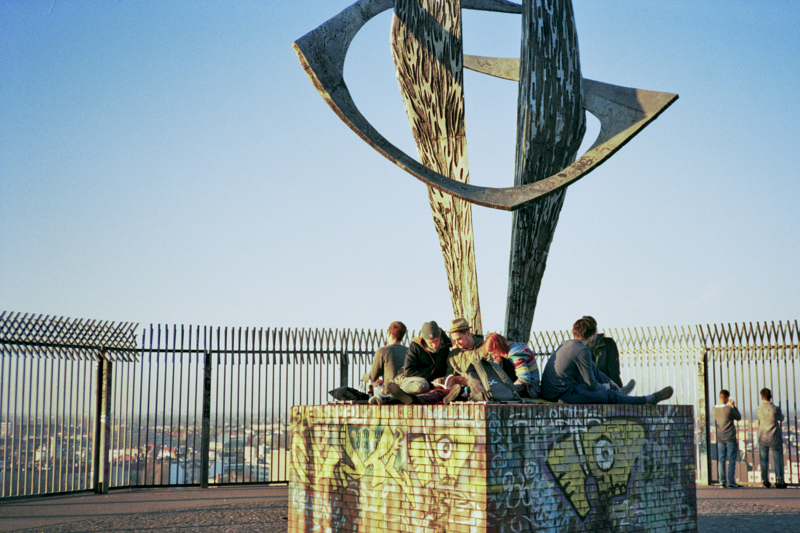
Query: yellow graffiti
[[440, 455], [382, 460], [377, 463], [321, 460], [326, 457], [606, 456], [299, 431]]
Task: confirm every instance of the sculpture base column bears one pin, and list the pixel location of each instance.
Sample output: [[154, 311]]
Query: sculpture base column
[[484, 468]]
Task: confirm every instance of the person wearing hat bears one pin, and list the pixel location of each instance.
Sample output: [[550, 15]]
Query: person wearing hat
[[469, 346], [426, 360], [466, 347]]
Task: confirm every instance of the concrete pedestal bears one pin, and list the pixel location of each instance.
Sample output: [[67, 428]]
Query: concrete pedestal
[[492, 468]]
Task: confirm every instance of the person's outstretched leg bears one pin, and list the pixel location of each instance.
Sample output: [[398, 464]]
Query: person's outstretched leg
[[722, 455], [652, 399], [580, 394]]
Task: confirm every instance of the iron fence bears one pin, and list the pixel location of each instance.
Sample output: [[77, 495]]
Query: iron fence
[[743, 359], [178, 405], [93, 406]]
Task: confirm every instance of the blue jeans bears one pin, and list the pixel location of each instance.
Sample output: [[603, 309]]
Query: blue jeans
[[727, 451], [580, 393], [777, 458]]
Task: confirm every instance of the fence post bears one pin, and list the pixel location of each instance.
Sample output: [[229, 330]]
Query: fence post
[[703, 435], [344, 366], [206, 437], [102, 426]]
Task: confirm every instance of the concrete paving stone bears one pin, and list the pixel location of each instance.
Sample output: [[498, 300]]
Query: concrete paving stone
[[264, 509]]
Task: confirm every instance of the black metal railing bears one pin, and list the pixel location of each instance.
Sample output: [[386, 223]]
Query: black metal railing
[[744, 358], [93, 406]]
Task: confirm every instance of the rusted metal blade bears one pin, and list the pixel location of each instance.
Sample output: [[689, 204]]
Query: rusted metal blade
[[623, 112], [322, 53]]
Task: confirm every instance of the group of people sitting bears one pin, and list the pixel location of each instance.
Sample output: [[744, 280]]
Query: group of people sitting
[[458, 365]]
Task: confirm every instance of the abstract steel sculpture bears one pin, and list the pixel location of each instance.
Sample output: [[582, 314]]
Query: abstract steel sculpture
[[427, 51]]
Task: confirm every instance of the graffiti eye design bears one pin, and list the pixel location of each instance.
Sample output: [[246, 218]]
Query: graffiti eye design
[[444, 448], [604, 454]]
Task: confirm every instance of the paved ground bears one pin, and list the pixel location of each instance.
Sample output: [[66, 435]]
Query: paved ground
[[257, 509], [214, 510], [748, 510]]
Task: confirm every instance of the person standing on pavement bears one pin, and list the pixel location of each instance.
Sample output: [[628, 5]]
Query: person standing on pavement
[[389, 359], [725, 413], [770, 437]]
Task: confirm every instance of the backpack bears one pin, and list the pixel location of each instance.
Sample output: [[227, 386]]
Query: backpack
[[487, 382], [346, 394]]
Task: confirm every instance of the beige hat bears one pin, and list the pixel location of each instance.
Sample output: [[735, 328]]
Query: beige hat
[[458, 324]]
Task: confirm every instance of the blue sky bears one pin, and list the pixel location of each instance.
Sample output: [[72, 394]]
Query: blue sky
[[170, 162]]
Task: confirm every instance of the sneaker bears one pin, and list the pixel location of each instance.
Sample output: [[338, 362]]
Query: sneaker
[[767, 483], [453, 394], [376, 400], [780, 485], [660, 396], [626, 390], [395, 390], [734, 486]]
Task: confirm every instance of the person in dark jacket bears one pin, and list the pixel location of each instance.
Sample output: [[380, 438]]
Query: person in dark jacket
[[426, 360], [571, 376], [606, 356]]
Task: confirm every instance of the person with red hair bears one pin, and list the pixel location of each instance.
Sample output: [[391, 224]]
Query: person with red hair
[[524, 360]]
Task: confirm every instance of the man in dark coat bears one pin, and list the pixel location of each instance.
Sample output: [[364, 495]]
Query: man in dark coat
[[605, 354], [426, 360]]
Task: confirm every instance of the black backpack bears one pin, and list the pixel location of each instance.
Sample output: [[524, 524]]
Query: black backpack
[[489, 383]]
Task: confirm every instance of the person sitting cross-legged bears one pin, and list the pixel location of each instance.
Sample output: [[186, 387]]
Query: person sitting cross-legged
[[389, 359], [426, 360], [571, 375]]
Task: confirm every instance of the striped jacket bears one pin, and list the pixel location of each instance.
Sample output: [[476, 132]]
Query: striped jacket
[[526, 368]]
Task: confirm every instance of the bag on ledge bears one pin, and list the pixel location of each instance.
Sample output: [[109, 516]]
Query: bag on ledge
[[489, 383], [344, 394]]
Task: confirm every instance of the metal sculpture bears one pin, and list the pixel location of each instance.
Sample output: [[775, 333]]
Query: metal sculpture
[[427, 50]]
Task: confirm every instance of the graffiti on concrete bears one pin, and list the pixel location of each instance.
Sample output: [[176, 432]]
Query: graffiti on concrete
[[583, 469], [606, 455], [379, 466], [543, 468]]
